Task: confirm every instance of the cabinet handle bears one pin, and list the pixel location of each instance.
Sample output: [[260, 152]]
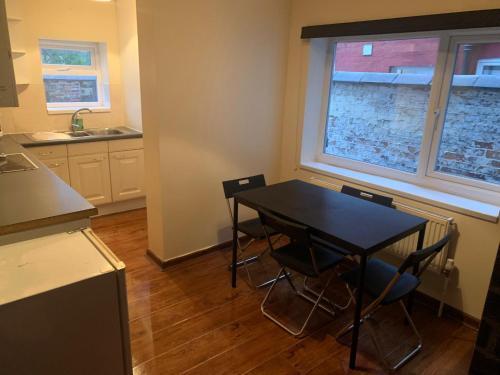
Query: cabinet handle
[[47, 153], [55, 165]]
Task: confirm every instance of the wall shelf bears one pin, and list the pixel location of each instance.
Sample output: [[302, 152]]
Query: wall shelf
[[18, 53]]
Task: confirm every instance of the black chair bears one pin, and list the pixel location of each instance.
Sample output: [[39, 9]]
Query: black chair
[[387, 284], [251, 228], [301, 256], [367, 196]]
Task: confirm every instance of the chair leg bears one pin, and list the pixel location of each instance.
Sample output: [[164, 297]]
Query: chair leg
[[246, 261], [316, 304], [313, 292], [409, 355], [417, 348], [320, 297], [258, 257], [376, 342], [349, 326], [373, 336]]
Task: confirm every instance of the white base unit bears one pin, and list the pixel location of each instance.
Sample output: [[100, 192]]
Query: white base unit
[[60, 167], [63, 307], [90, 177], [127, 174], [102, 172]]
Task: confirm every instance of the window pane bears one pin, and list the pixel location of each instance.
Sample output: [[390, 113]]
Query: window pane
[[378, 101], [470, 141], [70, 89], [56, 56]]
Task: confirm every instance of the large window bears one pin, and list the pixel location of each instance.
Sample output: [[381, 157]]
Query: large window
[[420, 109], [73, 75]]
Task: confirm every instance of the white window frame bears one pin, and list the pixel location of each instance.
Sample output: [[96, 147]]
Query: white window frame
[[94, 70], [482, 63], [424, 176], [441, 111]]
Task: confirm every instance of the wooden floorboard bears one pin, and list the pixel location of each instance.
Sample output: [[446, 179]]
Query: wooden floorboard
[[188, 320]]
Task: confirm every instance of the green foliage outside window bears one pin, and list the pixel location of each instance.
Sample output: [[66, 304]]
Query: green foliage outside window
[[66, 57]]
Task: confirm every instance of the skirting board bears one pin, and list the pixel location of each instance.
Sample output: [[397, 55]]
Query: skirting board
[[449, 311], [113, 208], [163, 264]]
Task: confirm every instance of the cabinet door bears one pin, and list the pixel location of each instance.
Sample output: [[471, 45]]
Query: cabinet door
[[60, 167], [90, 177], [49, 152], [127, 174]]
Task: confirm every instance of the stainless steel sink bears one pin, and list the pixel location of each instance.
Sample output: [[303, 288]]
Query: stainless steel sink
[[105, 131], [78, 134]]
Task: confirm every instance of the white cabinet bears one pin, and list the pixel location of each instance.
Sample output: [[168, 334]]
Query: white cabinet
[[54, 157], [8, 93], [127, 174], [102, 172], [90, 177], [60, 167]]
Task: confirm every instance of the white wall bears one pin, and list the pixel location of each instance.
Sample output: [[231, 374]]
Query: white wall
[[129, 60], [76, 20], [212, 75], [478, 240]]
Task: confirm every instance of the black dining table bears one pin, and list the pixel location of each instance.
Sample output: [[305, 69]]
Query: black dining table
[[359, 226]]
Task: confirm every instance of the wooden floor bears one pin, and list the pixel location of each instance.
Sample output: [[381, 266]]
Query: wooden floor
[[188, 320]]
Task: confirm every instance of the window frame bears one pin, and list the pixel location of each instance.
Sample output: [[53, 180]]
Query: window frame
[[482, 63], [93, 70], [462, 186], [442, 107]]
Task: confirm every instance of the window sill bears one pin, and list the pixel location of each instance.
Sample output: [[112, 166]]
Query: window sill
[[436, 198], [71, 110]]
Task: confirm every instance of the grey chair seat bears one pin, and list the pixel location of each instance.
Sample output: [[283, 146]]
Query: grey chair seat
[[328, 245], [298, 259], [254, 229], [377, 277]]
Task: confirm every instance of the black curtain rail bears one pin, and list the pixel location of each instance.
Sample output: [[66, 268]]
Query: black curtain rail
[[445, 21]]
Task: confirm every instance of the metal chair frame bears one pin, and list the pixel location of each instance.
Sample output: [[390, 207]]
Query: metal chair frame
[[242, 261], [315, 293], [413, 260], [245, 183], [361, 194], [318, 302]]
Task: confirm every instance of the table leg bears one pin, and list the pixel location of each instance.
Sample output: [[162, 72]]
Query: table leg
[[235, 244], [420, 245], [357, 312]]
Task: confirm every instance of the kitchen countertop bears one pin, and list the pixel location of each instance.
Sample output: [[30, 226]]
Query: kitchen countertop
[[36, 198], [24, 140]]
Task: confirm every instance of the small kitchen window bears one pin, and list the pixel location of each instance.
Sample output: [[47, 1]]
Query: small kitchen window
[[74, 75]]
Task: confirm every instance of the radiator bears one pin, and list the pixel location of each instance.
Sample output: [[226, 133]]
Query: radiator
[[437, 227]]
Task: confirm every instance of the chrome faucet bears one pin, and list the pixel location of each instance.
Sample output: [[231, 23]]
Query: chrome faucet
[[74, 125]]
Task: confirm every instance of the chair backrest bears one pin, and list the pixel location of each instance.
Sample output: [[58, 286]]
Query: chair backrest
[[414, 259], [296, 232], [232, 187], [367, 196], [427, 254]]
